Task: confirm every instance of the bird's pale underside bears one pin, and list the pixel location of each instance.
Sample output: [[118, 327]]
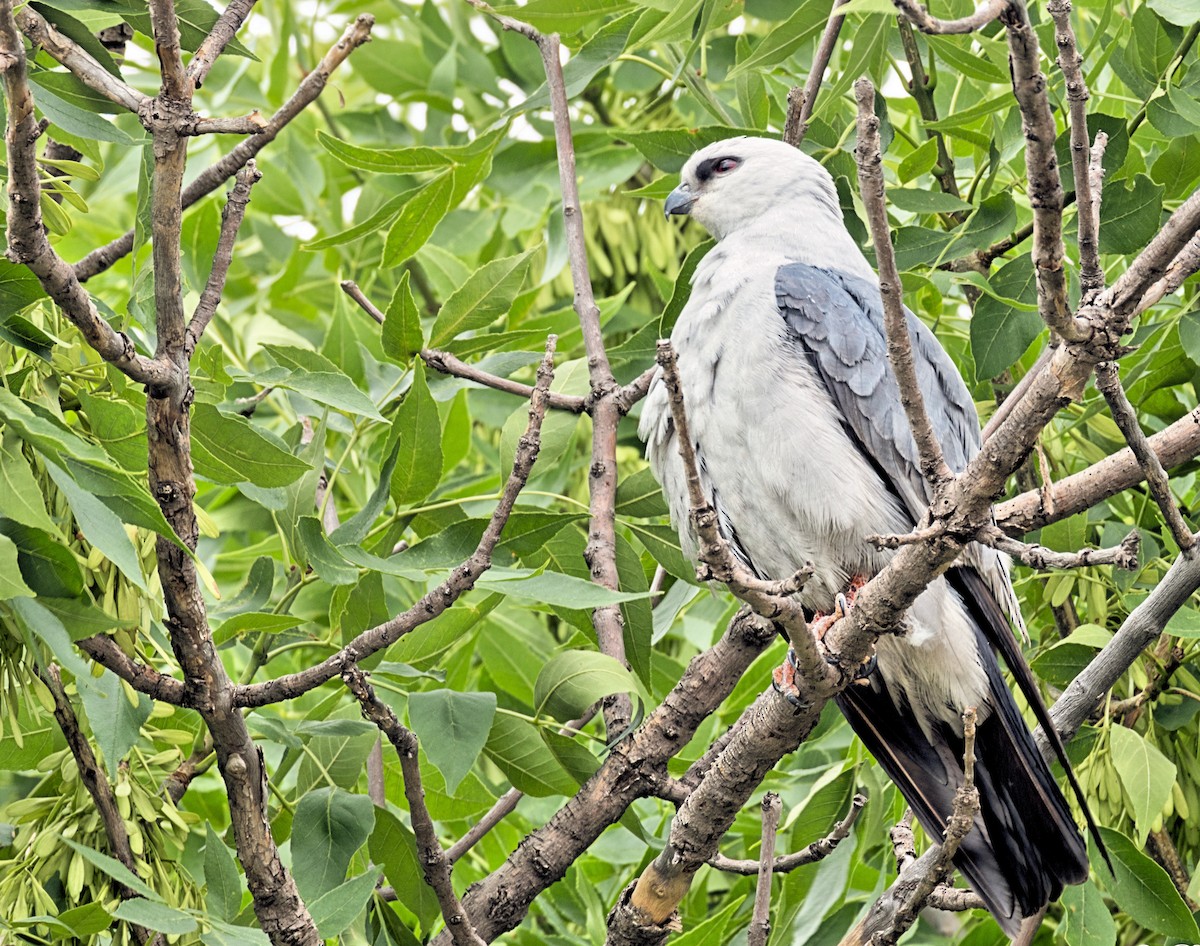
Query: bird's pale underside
[[804, 450]]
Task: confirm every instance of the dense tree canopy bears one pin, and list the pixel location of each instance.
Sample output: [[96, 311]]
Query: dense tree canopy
[[183, 748]]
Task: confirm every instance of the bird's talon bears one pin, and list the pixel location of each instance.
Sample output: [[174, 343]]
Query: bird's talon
[[783, 679]]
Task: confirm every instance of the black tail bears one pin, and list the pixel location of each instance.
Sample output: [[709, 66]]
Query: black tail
[[1025, 846]]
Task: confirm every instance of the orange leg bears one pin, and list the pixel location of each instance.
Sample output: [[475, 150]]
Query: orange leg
[[784, 676]]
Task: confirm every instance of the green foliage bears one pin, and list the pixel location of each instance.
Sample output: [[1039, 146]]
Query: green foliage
[[429, 177]]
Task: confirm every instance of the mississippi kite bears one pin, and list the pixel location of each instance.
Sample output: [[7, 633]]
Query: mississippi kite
[[804, 449]]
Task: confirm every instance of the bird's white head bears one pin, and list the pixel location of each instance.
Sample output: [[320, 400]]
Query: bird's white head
[[735, 183]]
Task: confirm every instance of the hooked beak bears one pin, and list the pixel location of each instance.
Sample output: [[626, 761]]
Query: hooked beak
[[679, 201]]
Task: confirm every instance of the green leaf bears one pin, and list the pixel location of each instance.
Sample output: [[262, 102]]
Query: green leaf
[[325, 557], [47, 566], [1143, 890], [19, 288], [393, 846], [80, 34], [329, 826], [116, 722], [712, 931], [389, 160], [1129, 216], [333, 912], [571, 682], [640, 496], [223, 893], [915, 200], [1000, 331], [781, 42], [318, 378], [453, 728], [114, 868], [87, 920], [920, 161], [38, 427], [1086, 918], [254, 622], [73, 119], [19, 331], [553, 588], [521, 754], [232, 450], [195, 17], [417, 219], [1179, 12], [669, 149], [35, 736], [418, 432], [101, 526], [11, 583], [155, 916], [1146, 775], [488, 293], [402, 334]]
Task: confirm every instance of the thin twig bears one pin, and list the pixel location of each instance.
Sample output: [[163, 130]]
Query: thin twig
[[760, 921], [955, 899], [436, 601], [1091, 276], [926, 23], [899, 342], [601, 550], [231, 220], [812, 85], [818, 850], [250, 124], [434, 863], [165, 25], [634, 391], [1123, 556], [212, 177], [142, 677], [226, 27], [1183, 266], [87, 70], [1108, 380], [792, 133]]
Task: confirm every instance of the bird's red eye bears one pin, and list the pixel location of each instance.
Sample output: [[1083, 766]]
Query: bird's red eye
[[726, 165]]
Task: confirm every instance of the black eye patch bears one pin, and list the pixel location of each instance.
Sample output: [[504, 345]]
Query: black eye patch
[[710, 166]]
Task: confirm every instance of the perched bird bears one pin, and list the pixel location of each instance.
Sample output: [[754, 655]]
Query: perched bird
[[804, 449]]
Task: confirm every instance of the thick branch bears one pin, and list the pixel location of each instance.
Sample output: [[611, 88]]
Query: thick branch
[[1174, 445], [1183, 266], [899, 342], [434, 863], [1108, 380], [922, 20], [216, 174], [231, 220], [142, 677], [27, 241], [461, 580], [165, 25]]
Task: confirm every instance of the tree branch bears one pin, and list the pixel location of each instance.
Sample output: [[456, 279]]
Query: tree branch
[[1123, 556], [922, 20], [142, 677], [226, 27], [231, 220], [1091, 276], [96, 782], [1045, 186], [434, 863], [812, 85], [818, 850], [921, 90], [1173, 445], [899, 342], [1183, 266], [760, 920], [81, 64], [433, 603], [212, 177], [165, 25], [27, 241]]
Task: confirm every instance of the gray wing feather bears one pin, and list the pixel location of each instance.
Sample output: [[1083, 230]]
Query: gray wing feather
[[836, 320]]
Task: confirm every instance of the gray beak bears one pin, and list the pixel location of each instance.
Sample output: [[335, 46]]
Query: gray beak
[[679, 201]]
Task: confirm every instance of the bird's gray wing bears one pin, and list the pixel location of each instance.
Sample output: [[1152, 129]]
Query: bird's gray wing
[[837, 321]]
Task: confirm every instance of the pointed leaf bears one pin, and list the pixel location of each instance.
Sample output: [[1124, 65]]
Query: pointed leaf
[[330, 825], [402, 333], [224, 886], [418, 431], [452, 728], [487, 294]]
